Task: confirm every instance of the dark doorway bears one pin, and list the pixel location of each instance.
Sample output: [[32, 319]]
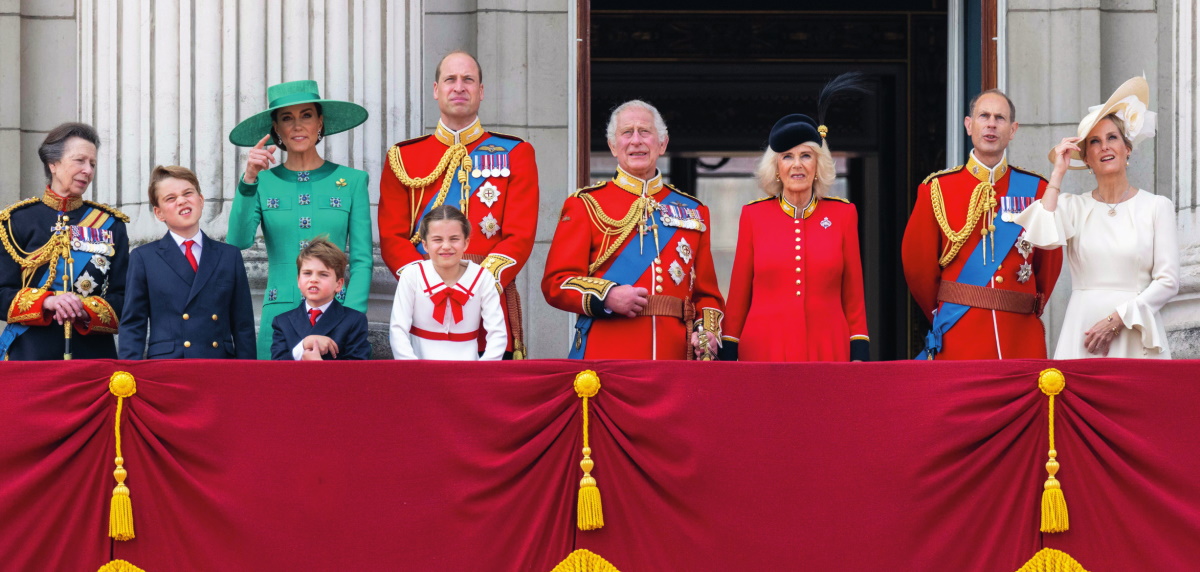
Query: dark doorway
[[721, 78]]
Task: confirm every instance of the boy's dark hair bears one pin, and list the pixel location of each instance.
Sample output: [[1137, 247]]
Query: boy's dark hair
[[327, 252], [170, 172], [444, 212]]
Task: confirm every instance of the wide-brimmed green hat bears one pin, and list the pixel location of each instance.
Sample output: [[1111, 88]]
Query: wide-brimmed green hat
[[339, 115]]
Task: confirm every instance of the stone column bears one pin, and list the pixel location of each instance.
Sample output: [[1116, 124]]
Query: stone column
[[1182, 118], [10, 102], [524, 48]]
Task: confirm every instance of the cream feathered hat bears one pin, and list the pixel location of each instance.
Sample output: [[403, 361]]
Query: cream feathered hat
[[1130, 103]]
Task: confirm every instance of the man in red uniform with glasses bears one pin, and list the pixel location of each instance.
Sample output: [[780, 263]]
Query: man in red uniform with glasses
[[631, 256], [978, 281], [490, 177]]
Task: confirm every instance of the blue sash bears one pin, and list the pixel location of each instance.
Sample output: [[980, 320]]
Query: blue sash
[[454, 194], [977, 271], [12, 331], [629, 265]]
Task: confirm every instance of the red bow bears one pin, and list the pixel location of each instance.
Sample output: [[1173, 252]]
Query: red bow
[[451, 297]]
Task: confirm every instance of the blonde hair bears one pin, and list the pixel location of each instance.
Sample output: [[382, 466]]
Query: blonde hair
[[768, 171]]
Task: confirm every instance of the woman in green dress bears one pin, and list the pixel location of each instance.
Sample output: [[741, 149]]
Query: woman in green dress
[[302, 198]]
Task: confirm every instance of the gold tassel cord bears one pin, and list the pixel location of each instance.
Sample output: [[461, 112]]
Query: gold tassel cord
[[1054, 505], [120, 514], [120, 566], [591, 514], [455, 157], [1051, 560], [583, 560]]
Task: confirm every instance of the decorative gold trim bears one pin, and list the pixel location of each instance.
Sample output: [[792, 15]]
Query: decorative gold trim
[[933, 176], [22, 307], [638, 186], [839, 199], [584, 560], [496, 263], [465, 136], [111, 210], [860, 337], [59, 202], [588, 285], [711, 319], [983, 172]]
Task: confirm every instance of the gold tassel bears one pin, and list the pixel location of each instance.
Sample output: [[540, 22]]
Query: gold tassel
[[119, 566], [1051, 560], [583, 560], [120, 513], [591, 514], [1054, 504]]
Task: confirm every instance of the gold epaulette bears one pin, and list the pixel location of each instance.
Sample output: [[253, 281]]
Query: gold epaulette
[[1029, 172], [7, 212], [839, 199], [413, 140], [688, 195], [589, 189], [761, 199], [940, 173], [109, 209], [507, 136]]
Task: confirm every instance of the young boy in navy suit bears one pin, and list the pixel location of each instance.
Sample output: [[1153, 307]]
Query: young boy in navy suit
[[320, 327], [190, 290]]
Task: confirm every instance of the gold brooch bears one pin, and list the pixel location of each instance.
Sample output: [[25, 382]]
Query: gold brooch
[[341, 182]]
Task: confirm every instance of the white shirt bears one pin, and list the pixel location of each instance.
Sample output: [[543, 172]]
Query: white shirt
[[196, 248], [298, 351], [413, 308]]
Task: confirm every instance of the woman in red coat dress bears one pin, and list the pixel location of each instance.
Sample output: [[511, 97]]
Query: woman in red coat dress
[[797, 288]]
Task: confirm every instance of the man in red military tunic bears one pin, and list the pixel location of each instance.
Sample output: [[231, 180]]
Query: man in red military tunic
[[491, 177], [968, 267], [631, 256]]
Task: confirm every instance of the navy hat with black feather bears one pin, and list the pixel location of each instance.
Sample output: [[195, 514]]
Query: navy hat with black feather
[[797, 128]]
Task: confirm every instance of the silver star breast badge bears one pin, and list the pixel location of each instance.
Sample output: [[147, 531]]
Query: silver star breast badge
[[488, 194], [1024, 273]]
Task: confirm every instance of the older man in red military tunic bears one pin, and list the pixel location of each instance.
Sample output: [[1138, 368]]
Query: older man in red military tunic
[[631, 256], [968, 267], [491, 177]]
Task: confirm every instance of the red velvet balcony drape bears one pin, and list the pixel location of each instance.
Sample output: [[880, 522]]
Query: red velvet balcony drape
[[438, 466]]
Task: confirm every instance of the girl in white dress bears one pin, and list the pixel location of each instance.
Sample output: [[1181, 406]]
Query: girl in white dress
[[1121, 241], [442, 303]]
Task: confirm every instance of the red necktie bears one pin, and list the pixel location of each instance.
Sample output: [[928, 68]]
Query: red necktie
[[312, 316], [453, 298], [187, 245]]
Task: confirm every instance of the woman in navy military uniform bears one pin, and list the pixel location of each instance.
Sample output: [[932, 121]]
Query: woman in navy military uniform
[[62, 276]]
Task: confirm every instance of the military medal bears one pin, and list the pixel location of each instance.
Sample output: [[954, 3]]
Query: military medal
[[92, 240], [1010, 207], [487, 166], [685, 251], [504, 172], [1024, 246], [489, 225], [476, 172], [85, 284], [679, 216], [676, 271], [488, 194], [1024, 272], [101, 263]]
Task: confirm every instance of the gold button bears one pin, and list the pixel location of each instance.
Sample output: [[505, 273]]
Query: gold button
[[999, 280], [214, 344], [657, 260], [797, 258], [214, 317], [658, 289], [185, 316], [797, 231], [999, 267], [797, 282], [797, 292], [187, 344], [796, 221], [658, 278], [797, 269], [797, 247], [797, 239], [658, 269]]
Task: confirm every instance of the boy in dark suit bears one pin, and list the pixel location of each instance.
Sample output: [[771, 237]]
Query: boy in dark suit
[[320, 327], [191, 290]]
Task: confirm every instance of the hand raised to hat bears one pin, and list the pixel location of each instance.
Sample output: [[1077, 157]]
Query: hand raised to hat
[[259, 159], [626, 300], [1062, 161]]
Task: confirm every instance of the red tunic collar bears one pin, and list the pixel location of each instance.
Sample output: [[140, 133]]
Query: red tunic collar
[[59, 202]]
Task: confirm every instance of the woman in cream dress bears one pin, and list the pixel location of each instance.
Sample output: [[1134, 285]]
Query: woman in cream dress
[[1121, 241]]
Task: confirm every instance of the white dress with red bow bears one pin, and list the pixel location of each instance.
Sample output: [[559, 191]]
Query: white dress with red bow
[[433, 321]]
